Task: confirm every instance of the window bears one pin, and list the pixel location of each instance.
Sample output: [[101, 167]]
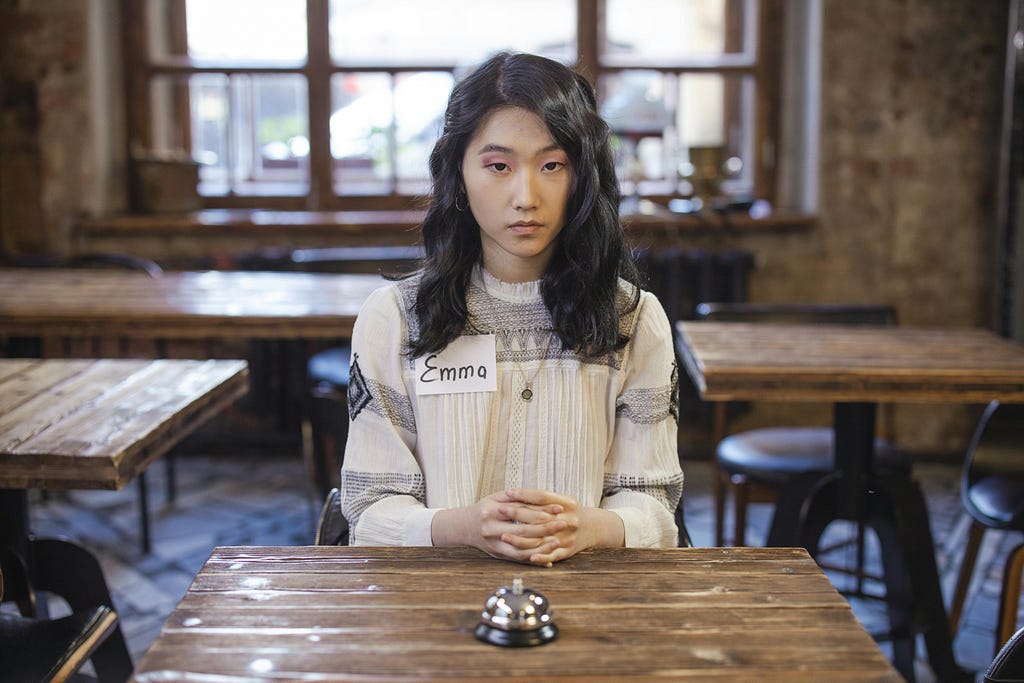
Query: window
[[335, 104]]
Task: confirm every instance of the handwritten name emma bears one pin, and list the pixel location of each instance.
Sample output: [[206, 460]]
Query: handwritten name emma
[[439, 373], [466, 365]]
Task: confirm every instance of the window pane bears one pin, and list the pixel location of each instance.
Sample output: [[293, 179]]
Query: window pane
[[420, 101], [672, 31], [660, 120], [247, 30], [449, 31], [383, 128], [250, 133]]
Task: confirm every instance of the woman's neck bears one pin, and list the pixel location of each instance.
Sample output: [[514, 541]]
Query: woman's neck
[[513, 273]]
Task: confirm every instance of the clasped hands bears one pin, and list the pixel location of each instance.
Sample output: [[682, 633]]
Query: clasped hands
[[541, 527]]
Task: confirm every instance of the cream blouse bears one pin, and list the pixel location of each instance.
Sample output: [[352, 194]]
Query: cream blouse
[[602, 430]]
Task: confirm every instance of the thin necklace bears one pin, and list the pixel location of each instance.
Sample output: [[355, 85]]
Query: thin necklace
[[527, 392]]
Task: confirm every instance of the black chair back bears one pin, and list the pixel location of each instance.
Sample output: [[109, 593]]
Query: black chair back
[[331, 527], [993, 473], [1008, 665]]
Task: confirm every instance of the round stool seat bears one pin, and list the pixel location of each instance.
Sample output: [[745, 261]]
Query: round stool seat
[[997, 501], [772, 455], [330, 365]]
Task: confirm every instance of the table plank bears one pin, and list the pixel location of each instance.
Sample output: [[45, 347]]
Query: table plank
[[99, 423], [348, 614], [751, 361], [181, 305]]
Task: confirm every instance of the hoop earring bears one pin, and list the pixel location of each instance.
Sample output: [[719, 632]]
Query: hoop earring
[[458, 208]]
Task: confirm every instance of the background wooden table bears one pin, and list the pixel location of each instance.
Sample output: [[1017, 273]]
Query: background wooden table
[[345, 614], [855, 368], [181, 305], [762, 361]]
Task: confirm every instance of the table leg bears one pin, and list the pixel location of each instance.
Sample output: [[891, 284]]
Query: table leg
[[854, 455], [822, 509], [909, 547], [894, 507], [14, 513]]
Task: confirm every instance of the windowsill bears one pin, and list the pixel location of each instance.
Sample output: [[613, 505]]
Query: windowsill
[[254, 222], [340, 224]]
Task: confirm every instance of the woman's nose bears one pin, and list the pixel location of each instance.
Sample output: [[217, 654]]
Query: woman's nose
[[525, 197]]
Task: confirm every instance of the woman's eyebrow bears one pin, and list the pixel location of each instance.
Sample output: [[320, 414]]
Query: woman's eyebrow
[[492, 147]]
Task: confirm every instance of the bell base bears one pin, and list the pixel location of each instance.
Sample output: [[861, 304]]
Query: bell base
[[496, 636]]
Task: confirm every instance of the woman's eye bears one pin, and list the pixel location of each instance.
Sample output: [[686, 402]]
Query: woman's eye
[[553, 165], [499, 166]]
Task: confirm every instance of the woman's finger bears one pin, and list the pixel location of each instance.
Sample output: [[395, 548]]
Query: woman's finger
[[540, 497], [529, 514]]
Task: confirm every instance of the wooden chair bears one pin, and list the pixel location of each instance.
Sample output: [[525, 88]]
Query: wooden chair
[[753, 465], [992, 492], [34, 649]]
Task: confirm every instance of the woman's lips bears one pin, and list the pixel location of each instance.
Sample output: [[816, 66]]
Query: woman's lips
[[525, 226]]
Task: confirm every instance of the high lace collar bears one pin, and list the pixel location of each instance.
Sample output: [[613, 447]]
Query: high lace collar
[[517, 292]]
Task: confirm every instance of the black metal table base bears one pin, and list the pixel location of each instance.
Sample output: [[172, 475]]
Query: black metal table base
[[893, 506]]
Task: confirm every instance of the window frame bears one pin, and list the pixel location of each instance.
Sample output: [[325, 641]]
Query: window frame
[[141, 70]]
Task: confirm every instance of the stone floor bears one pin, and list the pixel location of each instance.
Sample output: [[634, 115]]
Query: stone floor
[[261, 499]]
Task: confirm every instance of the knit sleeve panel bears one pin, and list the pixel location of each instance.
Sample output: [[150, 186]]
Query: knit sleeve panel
[[383, 489], [643, 479]]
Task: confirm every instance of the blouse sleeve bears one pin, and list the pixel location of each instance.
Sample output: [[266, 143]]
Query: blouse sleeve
[[643, 480], [383, 492]]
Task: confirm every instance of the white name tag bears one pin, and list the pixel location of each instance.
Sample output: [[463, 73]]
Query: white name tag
[[465, 365]]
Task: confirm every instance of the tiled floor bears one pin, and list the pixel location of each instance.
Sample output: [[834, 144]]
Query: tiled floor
[[259, 499]]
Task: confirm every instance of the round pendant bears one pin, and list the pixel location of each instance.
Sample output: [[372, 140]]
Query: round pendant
[[526, 393]]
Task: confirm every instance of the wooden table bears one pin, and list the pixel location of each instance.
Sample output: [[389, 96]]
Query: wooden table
[[855, 368], [281, 310], [87, 424], [376, 614], [181, 304], [96, 424]]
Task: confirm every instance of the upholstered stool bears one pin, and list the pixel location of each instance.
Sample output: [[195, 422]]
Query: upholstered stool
[[759, 462], [771, 456]]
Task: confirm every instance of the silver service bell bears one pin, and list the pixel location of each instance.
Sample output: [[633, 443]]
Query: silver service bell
[[516, 617]]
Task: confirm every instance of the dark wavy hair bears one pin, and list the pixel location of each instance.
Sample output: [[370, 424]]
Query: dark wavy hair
[[580, 285]]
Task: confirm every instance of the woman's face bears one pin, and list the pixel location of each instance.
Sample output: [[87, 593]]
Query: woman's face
[[518, 182]]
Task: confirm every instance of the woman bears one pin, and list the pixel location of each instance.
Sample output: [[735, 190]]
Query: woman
[[517, 394]]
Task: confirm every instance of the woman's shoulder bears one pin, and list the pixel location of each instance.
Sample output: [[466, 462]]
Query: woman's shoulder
[[396, 297], [637, 304], [630, 298]]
